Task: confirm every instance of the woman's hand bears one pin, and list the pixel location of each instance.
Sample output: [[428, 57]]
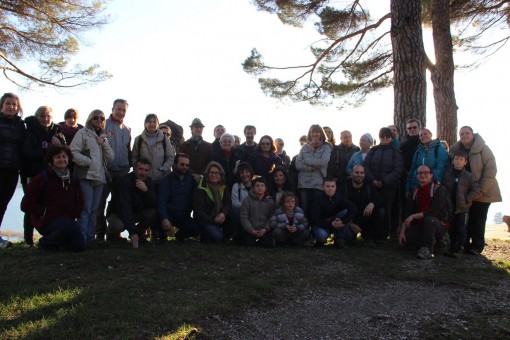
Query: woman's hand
[[220, 218]]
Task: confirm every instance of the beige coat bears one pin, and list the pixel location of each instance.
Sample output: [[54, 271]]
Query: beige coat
[[161, 158]]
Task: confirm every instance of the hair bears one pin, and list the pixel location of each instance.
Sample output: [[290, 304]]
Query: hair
[[42, 109], [71, 112], [358, 164], [288, 185], [345, 132], [143, 160], [180, 155], [303, 138], [385, 131], [245, 166], [57, 149], [426, 129], [218, 126], [271, 142], [318, 128], [217, 165], [94, 113], [286, 195], [425, 165], [122, 101], [333, 139], [467, 127], [151, 116], [413, 120], [11, 95], [258, 179], [277, 140], [445, 145], [461, 153], [250, 127], [328, 179], [225, 135]]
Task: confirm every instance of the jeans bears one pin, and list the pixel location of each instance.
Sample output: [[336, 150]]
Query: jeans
[[87, 221], [476, 226], [345, 233], [307, 197], [8, 182], [458, 230], [62, 232], [215, 233]]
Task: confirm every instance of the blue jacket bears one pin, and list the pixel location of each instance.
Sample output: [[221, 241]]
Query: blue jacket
[[435, 156], [176, 195], [119, 138]]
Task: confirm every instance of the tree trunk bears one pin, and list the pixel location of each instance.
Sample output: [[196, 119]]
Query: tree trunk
[[410, 84], [442, 72]]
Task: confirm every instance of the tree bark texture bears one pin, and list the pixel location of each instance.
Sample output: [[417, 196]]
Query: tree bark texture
[[410, 84], [442, 72]]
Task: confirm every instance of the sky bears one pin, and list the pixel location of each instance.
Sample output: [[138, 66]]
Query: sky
[[182, 59]]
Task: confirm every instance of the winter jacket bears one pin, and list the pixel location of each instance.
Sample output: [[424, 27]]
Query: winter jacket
[[279, 219], [204, 206], [36, 143], [483, 166], [285, 159], [438, 206], [12, 134], [383, 163], [49, 199], [333, 169], [119, 139], [161, 157], [256, 213], [362, 197], [229, 165], [312, 166], [176, 195], [465, 191], [407, 149], [263, 166], [435, 156], [344, 155], [69, 132], [325, 209], [90, 158], [357, 158], [199, 154], [239, 193]]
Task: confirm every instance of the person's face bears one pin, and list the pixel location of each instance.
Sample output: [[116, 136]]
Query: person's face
[[249, 134], [119, 110], [196, 131], [412, 129], [315, 137], [289, 204], [142, 171], [279, 178], [385, 139], [214, 175], [279, 145], [259, 189], [393, 129], [265, 145], [245, 176], [227, 143], [10, 107], [71, 121], [97, 121], [237, 141], [424, 175], [329, 188], [218, 131], [182, 166], [166, 131], [425, 136], [358, 174], [364, 143], [60, 161], [459, 162], [466, 136], [329, 133], [45, 119], [152, 125], [346, 139]]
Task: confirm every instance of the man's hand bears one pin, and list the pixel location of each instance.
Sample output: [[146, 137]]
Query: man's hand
[[402, 236], [337, 223], [220, 218], [355, 228], [377, 184], [140, 185], [259, 233], [166, 225], [368, 210], [291, 228]]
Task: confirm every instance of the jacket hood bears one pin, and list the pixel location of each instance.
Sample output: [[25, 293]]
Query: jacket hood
[[478, 144]]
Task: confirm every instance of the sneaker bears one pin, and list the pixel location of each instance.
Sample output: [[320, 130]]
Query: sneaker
[[424, 253], [4, 243]]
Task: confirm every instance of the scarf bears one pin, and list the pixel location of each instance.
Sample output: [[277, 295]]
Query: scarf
[[121, 121], [65, 176], [215, 189]]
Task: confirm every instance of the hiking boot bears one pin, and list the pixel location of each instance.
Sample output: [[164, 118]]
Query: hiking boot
[[455, 251], [100, 237], [4, 243], [424, 253]]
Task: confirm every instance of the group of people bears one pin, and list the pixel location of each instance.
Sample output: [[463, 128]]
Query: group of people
[[252, 192]]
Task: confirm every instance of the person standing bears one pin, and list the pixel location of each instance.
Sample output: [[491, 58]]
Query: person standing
[[346, 149], [249, 146], [198, 150], [70, 125], [119, 139]]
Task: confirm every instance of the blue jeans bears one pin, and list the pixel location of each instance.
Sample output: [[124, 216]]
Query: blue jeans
[[87, 220], [215, 233], [307, 197], [321, 234]]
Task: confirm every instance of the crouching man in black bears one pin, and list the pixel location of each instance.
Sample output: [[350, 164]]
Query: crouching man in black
[[133, 203]]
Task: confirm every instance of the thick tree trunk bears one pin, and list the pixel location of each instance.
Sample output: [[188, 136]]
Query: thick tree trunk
[[410, 84], [442, 72]]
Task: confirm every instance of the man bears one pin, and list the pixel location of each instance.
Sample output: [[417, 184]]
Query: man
[[281, 153], [119, 138], [176, 200], [396, 136], [133, 203], [345, 151], [426, 210], [198, 150], [370, 207], [248, 147], [218, 131]]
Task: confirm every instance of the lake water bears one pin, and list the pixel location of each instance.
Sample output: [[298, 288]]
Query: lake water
[[13, 219]]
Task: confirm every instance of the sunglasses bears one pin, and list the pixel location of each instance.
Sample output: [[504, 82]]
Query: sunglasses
[[412, 127], [385, 136], [98, 117]]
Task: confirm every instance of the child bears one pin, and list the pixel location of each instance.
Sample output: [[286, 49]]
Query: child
[[462, 187], [256, 212], [289, 223]]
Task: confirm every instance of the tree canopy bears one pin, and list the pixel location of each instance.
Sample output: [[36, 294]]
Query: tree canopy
[[38, 38]]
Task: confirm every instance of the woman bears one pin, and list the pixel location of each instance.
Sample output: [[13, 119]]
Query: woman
[[264, 158], [91, 151], [333, 158], [482, 164], [41, 133], [365, 143], [383, 168], [153, 145], [429, 152], [70, 125], [211, 205], [240, 191], [53, 200], [229, 158], [312, 165], [12, 134], [280, 183]]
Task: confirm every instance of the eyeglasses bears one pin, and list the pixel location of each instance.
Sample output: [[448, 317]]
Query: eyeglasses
[[421, 173], [214, 172], [412, 127], [385, 136], [98, 117]]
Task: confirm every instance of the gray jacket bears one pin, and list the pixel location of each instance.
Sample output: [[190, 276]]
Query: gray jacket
[[312, 166], [119, 138], [256, 214]]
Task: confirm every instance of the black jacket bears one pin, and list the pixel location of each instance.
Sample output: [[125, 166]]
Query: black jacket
[[325, 209], [12, 134]]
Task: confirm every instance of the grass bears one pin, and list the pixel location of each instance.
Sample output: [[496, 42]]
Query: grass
[[170, 291]]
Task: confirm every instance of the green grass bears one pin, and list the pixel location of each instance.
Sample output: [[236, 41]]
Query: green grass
[[170, 291]]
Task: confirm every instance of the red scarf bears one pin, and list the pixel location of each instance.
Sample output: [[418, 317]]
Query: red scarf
[[121, 121], [423, 200]]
